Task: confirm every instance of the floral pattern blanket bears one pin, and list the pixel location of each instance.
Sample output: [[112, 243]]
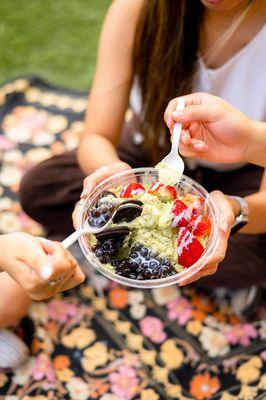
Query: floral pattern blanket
[[103, 341]]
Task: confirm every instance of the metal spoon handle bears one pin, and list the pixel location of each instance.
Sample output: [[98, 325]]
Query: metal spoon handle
[[177, 128], [71, 239]]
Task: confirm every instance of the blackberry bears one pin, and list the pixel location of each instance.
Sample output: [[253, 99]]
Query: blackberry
[[101, 212], [106, 249], [143, 264]]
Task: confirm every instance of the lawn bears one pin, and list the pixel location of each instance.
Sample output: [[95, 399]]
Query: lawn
[[54, 39]]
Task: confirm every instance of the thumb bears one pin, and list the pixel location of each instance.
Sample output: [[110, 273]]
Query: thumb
[[46, 269]]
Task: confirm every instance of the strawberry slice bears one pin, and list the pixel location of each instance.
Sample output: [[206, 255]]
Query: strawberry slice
[[132, 189], [195, 203], [163, 192], [200, 225], [182, 214], [154, 189], [189, 248]]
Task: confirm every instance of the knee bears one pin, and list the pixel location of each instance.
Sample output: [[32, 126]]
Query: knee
[[28, 191]]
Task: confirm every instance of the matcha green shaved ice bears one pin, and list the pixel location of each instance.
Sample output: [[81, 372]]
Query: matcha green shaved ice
[[167, 176], [153, 229]]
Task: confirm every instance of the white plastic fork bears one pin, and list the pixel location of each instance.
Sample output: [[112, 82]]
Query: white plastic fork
[[173, 159]]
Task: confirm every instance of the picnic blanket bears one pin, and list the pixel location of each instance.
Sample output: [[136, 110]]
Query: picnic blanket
[[104, 341]]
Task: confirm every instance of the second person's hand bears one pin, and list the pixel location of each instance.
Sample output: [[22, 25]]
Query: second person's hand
[[227, 211], [41, 267], [213, 129], [91, 181]]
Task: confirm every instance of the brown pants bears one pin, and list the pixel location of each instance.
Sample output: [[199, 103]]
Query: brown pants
[[50, 190]]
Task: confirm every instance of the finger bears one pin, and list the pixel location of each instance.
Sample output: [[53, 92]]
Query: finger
[[212, 269], [77, 212], [58, 260], [185, 137], [187, 151], [99, 175], [34, 257], [195, 113], [47, 245], [46, 269], [77, 278], [226, 214], [62, 262], [199, 146], [168, 113], [50, 287], [226, 218], [31, 282]]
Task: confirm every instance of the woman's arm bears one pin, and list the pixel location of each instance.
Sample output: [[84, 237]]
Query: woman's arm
[[256, 151], [257, 211], [109, 95]]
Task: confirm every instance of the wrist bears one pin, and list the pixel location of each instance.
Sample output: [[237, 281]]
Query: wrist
[[255, 144], [242, 218], [234, 204], [90, 160]]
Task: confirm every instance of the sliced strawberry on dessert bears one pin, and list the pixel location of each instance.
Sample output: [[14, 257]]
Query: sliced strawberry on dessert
[[154, 189], [200, 225], [182, 214], [168, 193], [164, 192], [132, 189], [195, 203], [189, 248]]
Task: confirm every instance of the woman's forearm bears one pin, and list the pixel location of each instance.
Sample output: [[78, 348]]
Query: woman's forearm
[[256, 151], [95, 151], [257, 213]]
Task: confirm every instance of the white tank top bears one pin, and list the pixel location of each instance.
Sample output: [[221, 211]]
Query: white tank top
[[241, 81]]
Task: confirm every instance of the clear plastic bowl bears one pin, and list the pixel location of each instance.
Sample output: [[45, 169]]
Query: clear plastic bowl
[[148, 176]]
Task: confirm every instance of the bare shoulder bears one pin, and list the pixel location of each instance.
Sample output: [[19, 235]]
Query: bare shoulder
[[119, 29], [125, 13], [127, 7]]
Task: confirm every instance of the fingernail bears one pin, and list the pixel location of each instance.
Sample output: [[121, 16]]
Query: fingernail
[[46, 271], [184, 138], [85, 192], [198, 146], [178, 113], [224, 226], [169, 121]]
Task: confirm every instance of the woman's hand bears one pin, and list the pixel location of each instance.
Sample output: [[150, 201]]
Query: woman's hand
[[91, 181], [227, 211], [41, 267], [212, 129]]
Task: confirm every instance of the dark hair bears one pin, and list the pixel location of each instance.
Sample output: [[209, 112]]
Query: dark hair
[[164, 59]]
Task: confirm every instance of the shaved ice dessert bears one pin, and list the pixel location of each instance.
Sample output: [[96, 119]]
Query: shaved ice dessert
[[156, 232]]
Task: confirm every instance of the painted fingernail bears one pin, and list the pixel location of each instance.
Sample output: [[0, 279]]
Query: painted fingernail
[[46, 271], [178, 113], [224, 226]]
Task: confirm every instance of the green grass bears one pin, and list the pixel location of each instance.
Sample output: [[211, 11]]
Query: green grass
[[54, 39]]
